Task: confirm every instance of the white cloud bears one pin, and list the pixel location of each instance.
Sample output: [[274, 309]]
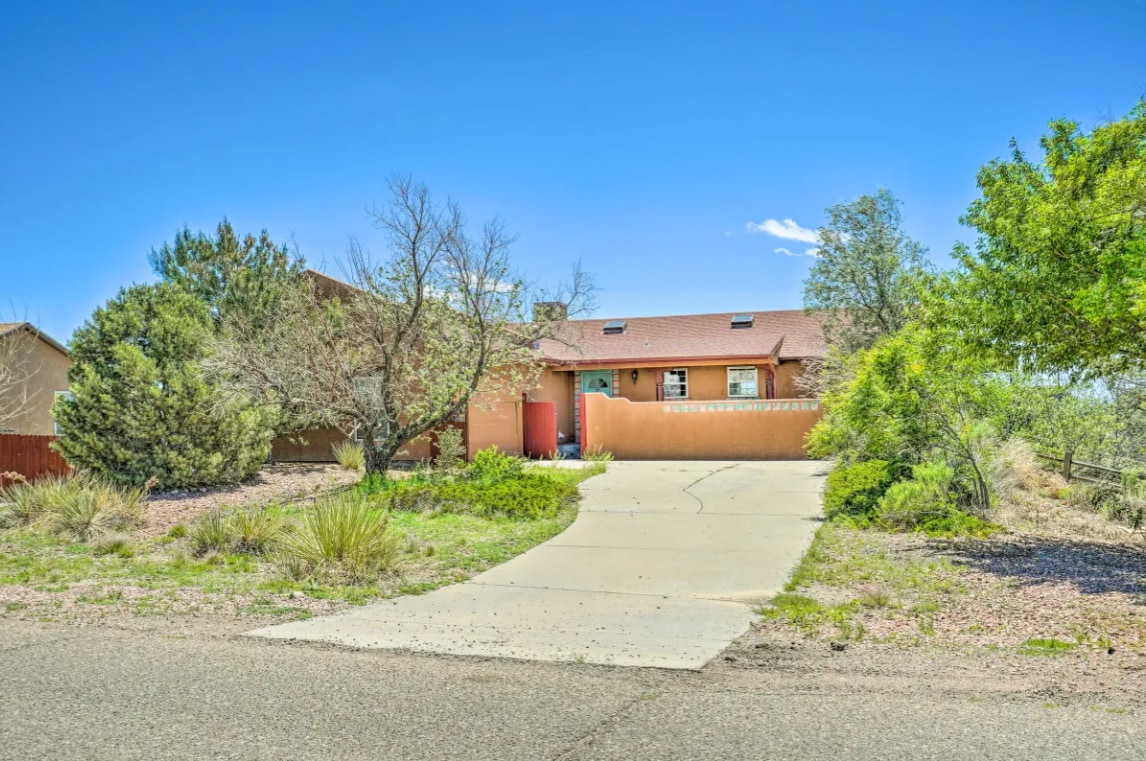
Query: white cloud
[[727, 233], [786, 229], [812, 252]]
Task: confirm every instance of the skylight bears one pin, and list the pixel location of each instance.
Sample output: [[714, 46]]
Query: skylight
[[742, 320], [612, 327]]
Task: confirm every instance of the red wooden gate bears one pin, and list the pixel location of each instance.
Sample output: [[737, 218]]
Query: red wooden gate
[[539, 429], [30, 456]]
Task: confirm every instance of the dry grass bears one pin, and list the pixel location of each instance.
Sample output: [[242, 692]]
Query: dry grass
[[1060, 572]]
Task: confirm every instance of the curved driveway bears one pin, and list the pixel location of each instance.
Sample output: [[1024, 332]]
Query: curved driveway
[[661, 568]]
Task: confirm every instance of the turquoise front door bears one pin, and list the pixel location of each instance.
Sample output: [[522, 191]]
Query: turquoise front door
[[597, 381]]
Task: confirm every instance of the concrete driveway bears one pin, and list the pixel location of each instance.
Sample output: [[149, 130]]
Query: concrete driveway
[[661, 568]]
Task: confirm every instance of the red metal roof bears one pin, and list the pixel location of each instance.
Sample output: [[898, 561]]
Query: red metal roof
[[783, 334]]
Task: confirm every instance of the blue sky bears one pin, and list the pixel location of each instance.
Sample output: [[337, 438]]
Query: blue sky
[[639, 137]]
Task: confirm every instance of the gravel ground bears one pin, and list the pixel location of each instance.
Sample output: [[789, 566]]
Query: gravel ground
[[281, 482], [1059, 572]]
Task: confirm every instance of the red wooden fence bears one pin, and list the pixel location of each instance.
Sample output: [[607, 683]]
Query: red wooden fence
[[30, 456]]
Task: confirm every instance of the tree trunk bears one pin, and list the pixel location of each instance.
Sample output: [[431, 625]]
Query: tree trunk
[[378, 458]]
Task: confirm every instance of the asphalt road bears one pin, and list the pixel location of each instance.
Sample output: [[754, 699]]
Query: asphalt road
[[90, 693]]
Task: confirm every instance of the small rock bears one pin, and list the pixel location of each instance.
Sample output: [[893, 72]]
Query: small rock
[[297, 596], [1110, 651], [730, 658], [839, 647]]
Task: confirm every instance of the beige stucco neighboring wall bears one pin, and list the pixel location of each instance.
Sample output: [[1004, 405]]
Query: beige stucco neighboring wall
[[48, 368]]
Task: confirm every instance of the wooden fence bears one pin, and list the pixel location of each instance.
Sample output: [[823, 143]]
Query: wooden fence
[[1072, 469], [30, 456]]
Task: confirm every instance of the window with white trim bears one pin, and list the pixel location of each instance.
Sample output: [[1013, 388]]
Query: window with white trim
[[742, 383], [66, 395], [676, 384]]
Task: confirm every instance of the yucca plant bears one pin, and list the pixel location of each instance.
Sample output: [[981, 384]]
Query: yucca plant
[[26, 502], [349, 455], [344, 539], [211, 532], [81, 514], [255, 532]]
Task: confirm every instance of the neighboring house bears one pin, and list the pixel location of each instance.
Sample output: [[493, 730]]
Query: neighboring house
[[709, 386], [35, 371]]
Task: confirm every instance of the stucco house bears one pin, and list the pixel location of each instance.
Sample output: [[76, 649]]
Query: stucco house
[[35, 371], [707, 386], [682, 360]]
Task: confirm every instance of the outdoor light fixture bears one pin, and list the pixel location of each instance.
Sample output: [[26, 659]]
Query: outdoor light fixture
[[634, 377]]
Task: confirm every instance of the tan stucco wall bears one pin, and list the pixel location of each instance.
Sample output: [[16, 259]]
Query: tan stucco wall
[[557, 386], [764, 430], [49, 374], [786, 375], [494, 420]]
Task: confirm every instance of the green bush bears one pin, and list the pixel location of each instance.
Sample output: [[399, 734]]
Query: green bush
[[855, 490], [491, 465], [344, 539], [926, 503], [141, 406], [527, 496], [451, 450]]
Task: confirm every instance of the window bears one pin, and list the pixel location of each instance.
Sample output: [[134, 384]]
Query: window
[[676, 384], [614, 327], [67, 395], [742, 383]]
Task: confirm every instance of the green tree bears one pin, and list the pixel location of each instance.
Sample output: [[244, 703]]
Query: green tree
[[441, 320], [246, 279], [1057, 278], [230, 274], [862, 281], [914, 395], [141, 407]]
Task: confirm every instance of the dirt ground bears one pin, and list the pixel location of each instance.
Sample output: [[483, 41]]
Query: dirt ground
[[285, 482], [1061, 582]]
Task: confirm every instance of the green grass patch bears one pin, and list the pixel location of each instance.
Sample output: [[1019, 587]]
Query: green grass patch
[[437, 548], [1046, 646], [873, 578]]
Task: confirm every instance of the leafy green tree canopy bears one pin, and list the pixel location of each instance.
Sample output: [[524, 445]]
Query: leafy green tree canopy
[[229, 273], [141, 408], [1057, 278], [864, 274]]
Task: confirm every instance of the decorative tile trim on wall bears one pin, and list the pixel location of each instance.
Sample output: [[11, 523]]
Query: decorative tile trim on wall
[[763, 406]]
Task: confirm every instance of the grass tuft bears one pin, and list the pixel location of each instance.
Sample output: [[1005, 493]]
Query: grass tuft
[[1046, 646], [349, 455], [344, 539]]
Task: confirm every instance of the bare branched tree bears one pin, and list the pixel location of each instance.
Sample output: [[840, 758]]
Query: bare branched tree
[[18, 364], [441, 319]]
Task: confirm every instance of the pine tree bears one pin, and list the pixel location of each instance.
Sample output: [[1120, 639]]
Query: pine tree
[[141, 407]]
